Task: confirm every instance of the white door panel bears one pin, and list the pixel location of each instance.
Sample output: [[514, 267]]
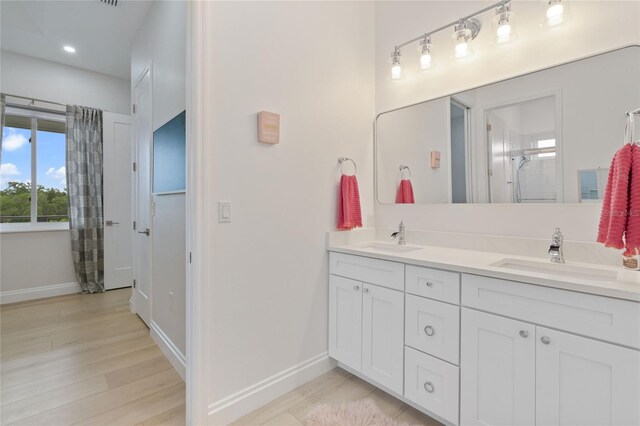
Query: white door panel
[[345, 321], [143, 137], [118, 211]]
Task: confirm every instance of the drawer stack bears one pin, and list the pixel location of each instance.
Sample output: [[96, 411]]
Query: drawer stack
[[432, 340]]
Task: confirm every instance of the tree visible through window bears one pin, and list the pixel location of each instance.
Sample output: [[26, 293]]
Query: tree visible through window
[[33, 153]]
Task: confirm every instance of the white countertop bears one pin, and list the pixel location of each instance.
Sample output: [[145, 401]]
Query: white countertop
[[626, 285]]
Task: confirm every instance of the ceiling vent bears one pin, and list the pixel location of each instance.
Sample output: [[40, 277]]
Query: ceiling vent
[[110, 2]]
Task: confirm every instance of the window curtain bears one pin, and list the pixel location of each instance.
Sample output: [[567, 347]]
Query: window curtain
[[3, 103], [84, 183]]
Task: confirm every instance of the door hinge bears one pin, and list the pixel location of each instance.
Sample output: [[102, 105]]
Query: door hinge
[[490, 172], [134, 283], [134, 166], [488, 127], [134, 225], [189, 257], [134, 108]]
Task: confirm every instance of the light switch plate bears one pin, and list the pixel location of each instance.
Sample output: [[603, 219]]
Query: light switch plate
[[224, 211]]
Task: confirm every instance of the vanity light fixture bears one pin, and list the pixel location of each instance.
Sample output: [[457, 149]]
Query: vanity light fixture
[[426, 61], [463, 33], [396, 69], [503, 23], [555, 13], [465, 30]]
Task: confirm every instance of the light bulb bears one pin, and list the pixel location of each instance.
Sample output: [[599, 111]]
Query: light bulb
[[504, 33], [555, 12], [69, 49], [462, 48], [425, 53], [425, 61], [396, 71]]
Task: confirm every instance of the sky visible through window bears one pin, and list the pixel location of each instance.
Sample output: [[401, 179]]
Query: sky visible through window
[[16, 158]]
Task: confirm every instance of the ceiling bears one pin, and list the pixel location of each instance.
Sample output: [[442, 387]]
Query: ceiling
[[101, 34]]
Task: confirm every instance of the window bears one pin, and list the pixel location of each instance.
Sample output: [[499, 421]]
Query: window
[[33, 187]]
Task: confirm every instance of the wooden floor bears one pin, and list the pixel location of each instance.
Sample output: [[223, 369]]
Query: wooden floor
[[334, 387], [84, 359]]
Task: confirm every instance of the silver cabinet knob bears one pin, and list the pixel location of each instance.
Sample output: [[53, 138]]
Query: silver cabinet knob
[[429, 284], [524, 333], [366, 290], [428, 386], [429, 331], [545, 340], [356, 287]]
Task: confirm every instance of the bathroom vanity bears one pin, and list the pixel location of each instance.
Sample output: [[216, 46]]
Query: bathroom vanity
[[482, 338]]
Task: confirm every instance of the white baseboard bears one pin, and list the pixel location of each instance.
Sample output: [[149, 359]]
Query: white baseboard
[[21, 295], [255, 396], [171, 351]]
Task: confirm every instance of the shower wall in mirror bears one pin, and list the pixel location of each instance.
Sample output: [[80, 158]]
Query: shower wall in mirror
[[544, 137]]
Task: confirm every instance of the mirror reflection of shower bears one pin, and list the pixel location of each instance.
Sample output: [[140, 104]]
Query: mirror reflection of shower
[[522, 152]]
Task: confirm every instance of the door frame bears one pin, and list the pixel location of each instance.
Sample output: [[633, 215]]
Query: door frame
[[197, 214]]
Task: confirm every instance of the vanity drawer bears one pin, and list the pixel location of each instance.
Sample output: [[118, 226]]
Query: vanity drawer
[[432, 327], [373, 271], [432, 384], [604, 318], [434, 284]]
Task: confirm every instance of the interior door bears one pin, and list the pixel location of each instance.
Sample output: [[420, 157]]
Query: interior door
[[500, 182], [582, 381], [345, 321], [118, 211], [142, 136], [497, 384], [383, 336]]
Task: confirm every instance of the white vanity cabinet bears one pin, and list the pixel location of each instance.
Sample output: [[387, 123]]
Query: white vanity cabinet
[[475, 350], [516, 372], [366, 321]]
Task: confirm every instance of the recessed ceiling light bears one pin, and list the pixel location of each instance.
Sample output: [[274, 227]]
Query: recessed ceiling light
[[69, 49]]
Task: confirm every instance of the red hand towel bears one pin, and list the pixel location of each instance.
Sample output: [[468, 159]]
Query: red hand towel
[[405, 192], [349, 213], [615, 205], [632, 235]]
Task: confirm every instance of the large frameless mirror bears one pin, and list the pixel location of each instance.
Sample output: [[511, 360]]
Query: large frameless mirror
[[544, 137]]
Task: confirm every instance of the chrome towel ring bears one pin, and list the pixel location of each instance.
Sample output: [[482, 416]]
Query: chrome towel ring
[[402, 168], [341, 160]]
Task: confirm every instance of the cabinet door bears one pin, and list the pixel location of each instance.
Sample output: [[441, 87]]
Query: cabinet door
[[345, 321], [497, 366], [383, 336], [581, 381]]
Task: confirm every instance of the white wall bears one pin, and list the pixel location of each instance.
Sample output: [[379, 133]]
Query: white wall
[[596, 26], [50, 81], [161, 43], [38, 264], [311, 62]]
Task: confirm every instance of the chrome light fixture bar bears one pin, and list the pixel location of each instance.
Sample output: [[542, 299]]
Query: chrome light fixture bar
[[466, 28]]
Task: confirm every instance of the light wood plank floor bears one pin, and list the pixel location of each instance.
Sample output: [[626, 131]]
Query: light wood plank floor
[[84, 359], [334, 387]]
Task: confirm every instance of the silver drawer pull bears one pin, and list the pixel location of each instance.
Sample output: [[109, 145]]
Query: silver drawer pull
[[429, 387], [545, 340], [524, 333], [429, 331], [356, 287], [429, 284], [366, 290]]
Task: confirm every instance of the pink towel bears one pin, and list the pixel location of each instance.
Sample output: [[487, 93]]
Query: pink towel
[[632, 235], [349, 213], [615, 205], [405, 192]]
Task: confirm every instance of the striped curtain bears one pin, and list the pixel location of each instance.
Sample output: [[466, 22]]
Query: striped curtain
[[84, 182]]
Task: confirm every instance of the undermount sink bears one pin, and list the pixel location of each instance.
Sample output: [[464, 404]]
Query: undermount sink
[[392, 248], [561, 270]]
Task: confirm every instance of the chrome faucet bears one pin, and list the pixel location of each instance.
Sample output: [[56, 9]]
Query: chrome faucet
[[400, 235], [555, 250]]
